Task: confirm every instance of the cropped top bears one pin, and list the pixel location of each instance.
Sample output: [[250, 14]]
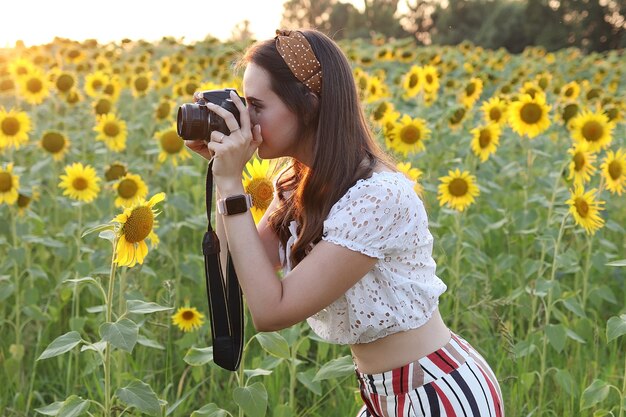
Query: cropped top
[[382, 217]]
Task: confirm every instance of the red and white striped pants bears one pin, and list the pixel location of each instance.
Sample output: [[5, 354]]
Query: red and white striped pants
[[452, 381]]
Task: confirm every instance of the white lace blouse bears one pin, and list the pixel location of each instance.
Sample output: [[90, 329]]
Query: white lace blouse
[[382, 217]]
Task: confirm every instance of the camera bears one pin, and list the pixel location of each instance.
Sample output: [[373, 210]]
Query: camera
[[195, 121]]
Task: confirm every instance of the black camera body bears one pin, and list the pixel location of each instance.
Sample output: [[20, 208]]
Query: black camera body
[[196, 122]]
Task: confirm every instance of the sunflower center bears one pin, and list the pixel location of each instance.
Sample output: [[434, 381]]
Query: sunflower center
[[458, 187], [615, 170], [141, 83], [163, 110], [413, 79], [73, 53], [115, 171], [470, 89], [191, 88], [380, 110], [429, 79], [23, 201], [171, 143], [569, 92], [53, 142], [485, 138], [65, 83], [6, 182], [592, 131], [582, 207], [262, 192], [531, 113], [103, 106], [188, 315], [10, 126], [80, 183], [139, 224], [34, 85], [569, 111], [410, 135], [495, 114], [111, 129], [127, 188], [97, 85], [579, 161]]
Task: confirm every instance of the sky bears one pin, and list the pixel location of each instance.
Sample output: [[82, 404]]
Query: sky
[[39, 21]]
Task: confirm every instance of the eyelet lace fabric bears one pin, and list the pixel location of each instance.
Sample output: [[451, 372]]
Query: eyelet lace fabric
[[381, 217]]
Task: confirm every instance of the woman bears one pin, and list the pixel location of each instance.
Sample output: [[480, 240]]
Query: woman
[[348, 230]]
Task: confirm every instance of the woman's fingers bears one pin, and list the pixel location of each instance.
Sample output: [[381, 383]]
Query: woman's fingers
[[243, 113]]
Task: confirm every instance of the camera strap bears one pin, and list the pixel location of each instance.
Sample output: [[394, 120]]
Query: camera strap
[[224, 296]]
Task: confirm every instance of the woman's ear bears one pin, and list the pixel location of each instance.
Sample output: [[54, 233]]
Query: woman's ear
[[314, 100]]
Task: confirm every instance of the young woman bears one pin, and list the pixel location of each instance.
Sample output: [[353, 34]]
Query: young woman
[[348, 231]]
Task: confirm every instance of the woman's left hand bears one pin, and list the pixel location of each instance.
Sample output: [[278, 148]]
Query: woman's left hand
[[232, 152]]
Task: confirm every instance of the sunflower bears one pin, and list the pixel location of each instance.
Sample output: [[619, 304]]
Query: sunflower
[[130, 189], [25, 199], [414, 174], [430, 79], [485, 140], [494, 111], [585, 209], [80, 182], [581, 167], [592, 128], [136, 225], [172, 145], [409, 135], [614, 171], [529, 116], [259, 184], [471, 93], [531, 88], [73, 96], [112, 131], [141, 84], [164, 109], [456, 118], [412, 82], [9, 183], [568, 113], [95, 83], [113, 89], [457, 189], [103, 105], [55, 143], [14, 128], [570, 91], [20, 67], [188, 319]]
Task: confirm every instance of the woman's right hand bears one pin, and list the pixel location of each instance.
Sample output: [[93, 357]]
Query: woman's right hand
[[199, 147]]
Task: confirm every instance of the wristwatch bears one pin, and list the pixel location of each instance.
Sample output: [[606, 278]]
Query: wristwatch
[[234, 204]]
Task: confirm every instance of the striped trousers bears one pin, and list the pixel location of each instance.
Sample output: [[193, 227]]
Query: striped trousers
[[452, 381]]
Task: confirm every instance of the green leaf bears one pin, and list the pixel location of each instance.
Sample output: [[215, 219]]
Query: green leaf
[[594, 393], [556, 336], [524, 348], [96, 347], [199, 356], [139, 395], [122, 334], [306, 378], [617, 263], [98, 228], [566, 382], [144, 341], [142, 307], [336, 368], [251, 373], [107, 235], [210, 410], [50, 409], [61, 345], [573, 305], [252, 399], [274, 344], [615, 327], [73, 406]]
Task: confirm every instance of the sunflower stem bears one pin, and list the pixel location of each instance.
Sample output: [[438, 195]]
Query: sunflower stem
[[585, 276], [457, 269], [18, 296], [109, 316], [548, 313]]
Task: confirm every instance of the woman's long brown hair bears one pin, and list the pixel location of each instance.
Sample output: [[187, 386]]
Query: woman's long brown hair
[[344, 149]]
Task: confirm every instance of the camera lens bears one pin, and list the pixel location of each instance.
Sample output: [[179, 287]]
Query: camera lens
[[192, 122]]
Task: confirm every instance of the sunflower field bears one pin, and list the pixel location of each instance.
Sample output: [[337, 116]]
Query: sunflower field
[[520, 160]]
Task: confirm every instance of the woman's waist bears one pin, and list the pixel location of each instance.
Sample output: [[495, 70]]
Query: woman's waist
[[400, 348]]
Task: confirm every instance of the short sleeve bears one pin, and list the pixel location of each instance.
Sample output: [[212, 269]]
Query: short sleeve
[[374, 217]]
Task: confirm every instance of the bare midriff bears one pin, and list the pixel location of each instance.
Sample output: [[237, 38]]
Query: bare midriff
[[401, 348]]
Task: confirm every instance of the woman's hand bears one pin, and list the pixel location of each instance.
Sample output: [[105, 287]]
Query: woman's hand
[[232, 151], [199, 147]]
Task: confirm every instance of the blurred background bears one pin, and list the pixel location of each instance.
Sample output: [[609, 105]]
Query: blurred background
[[592, 25]]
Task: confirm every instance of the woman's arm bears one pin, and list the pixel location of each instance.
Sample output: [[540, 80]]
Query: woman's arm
[[319, 279]]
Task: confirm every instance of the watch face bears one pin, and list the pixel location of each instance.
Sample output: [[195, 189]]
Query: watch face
[[236, 205]]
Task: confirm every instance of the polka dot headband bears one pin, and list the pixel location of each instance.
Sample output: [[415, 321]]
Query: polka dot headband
[[299, 57]]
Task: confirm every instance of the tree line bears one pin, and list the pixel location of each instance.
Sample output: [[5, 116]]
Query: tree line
[[591, 25]]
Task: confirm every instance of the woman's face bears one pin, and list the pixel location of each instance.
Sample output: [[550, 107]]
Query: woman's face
[[279, 125]]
